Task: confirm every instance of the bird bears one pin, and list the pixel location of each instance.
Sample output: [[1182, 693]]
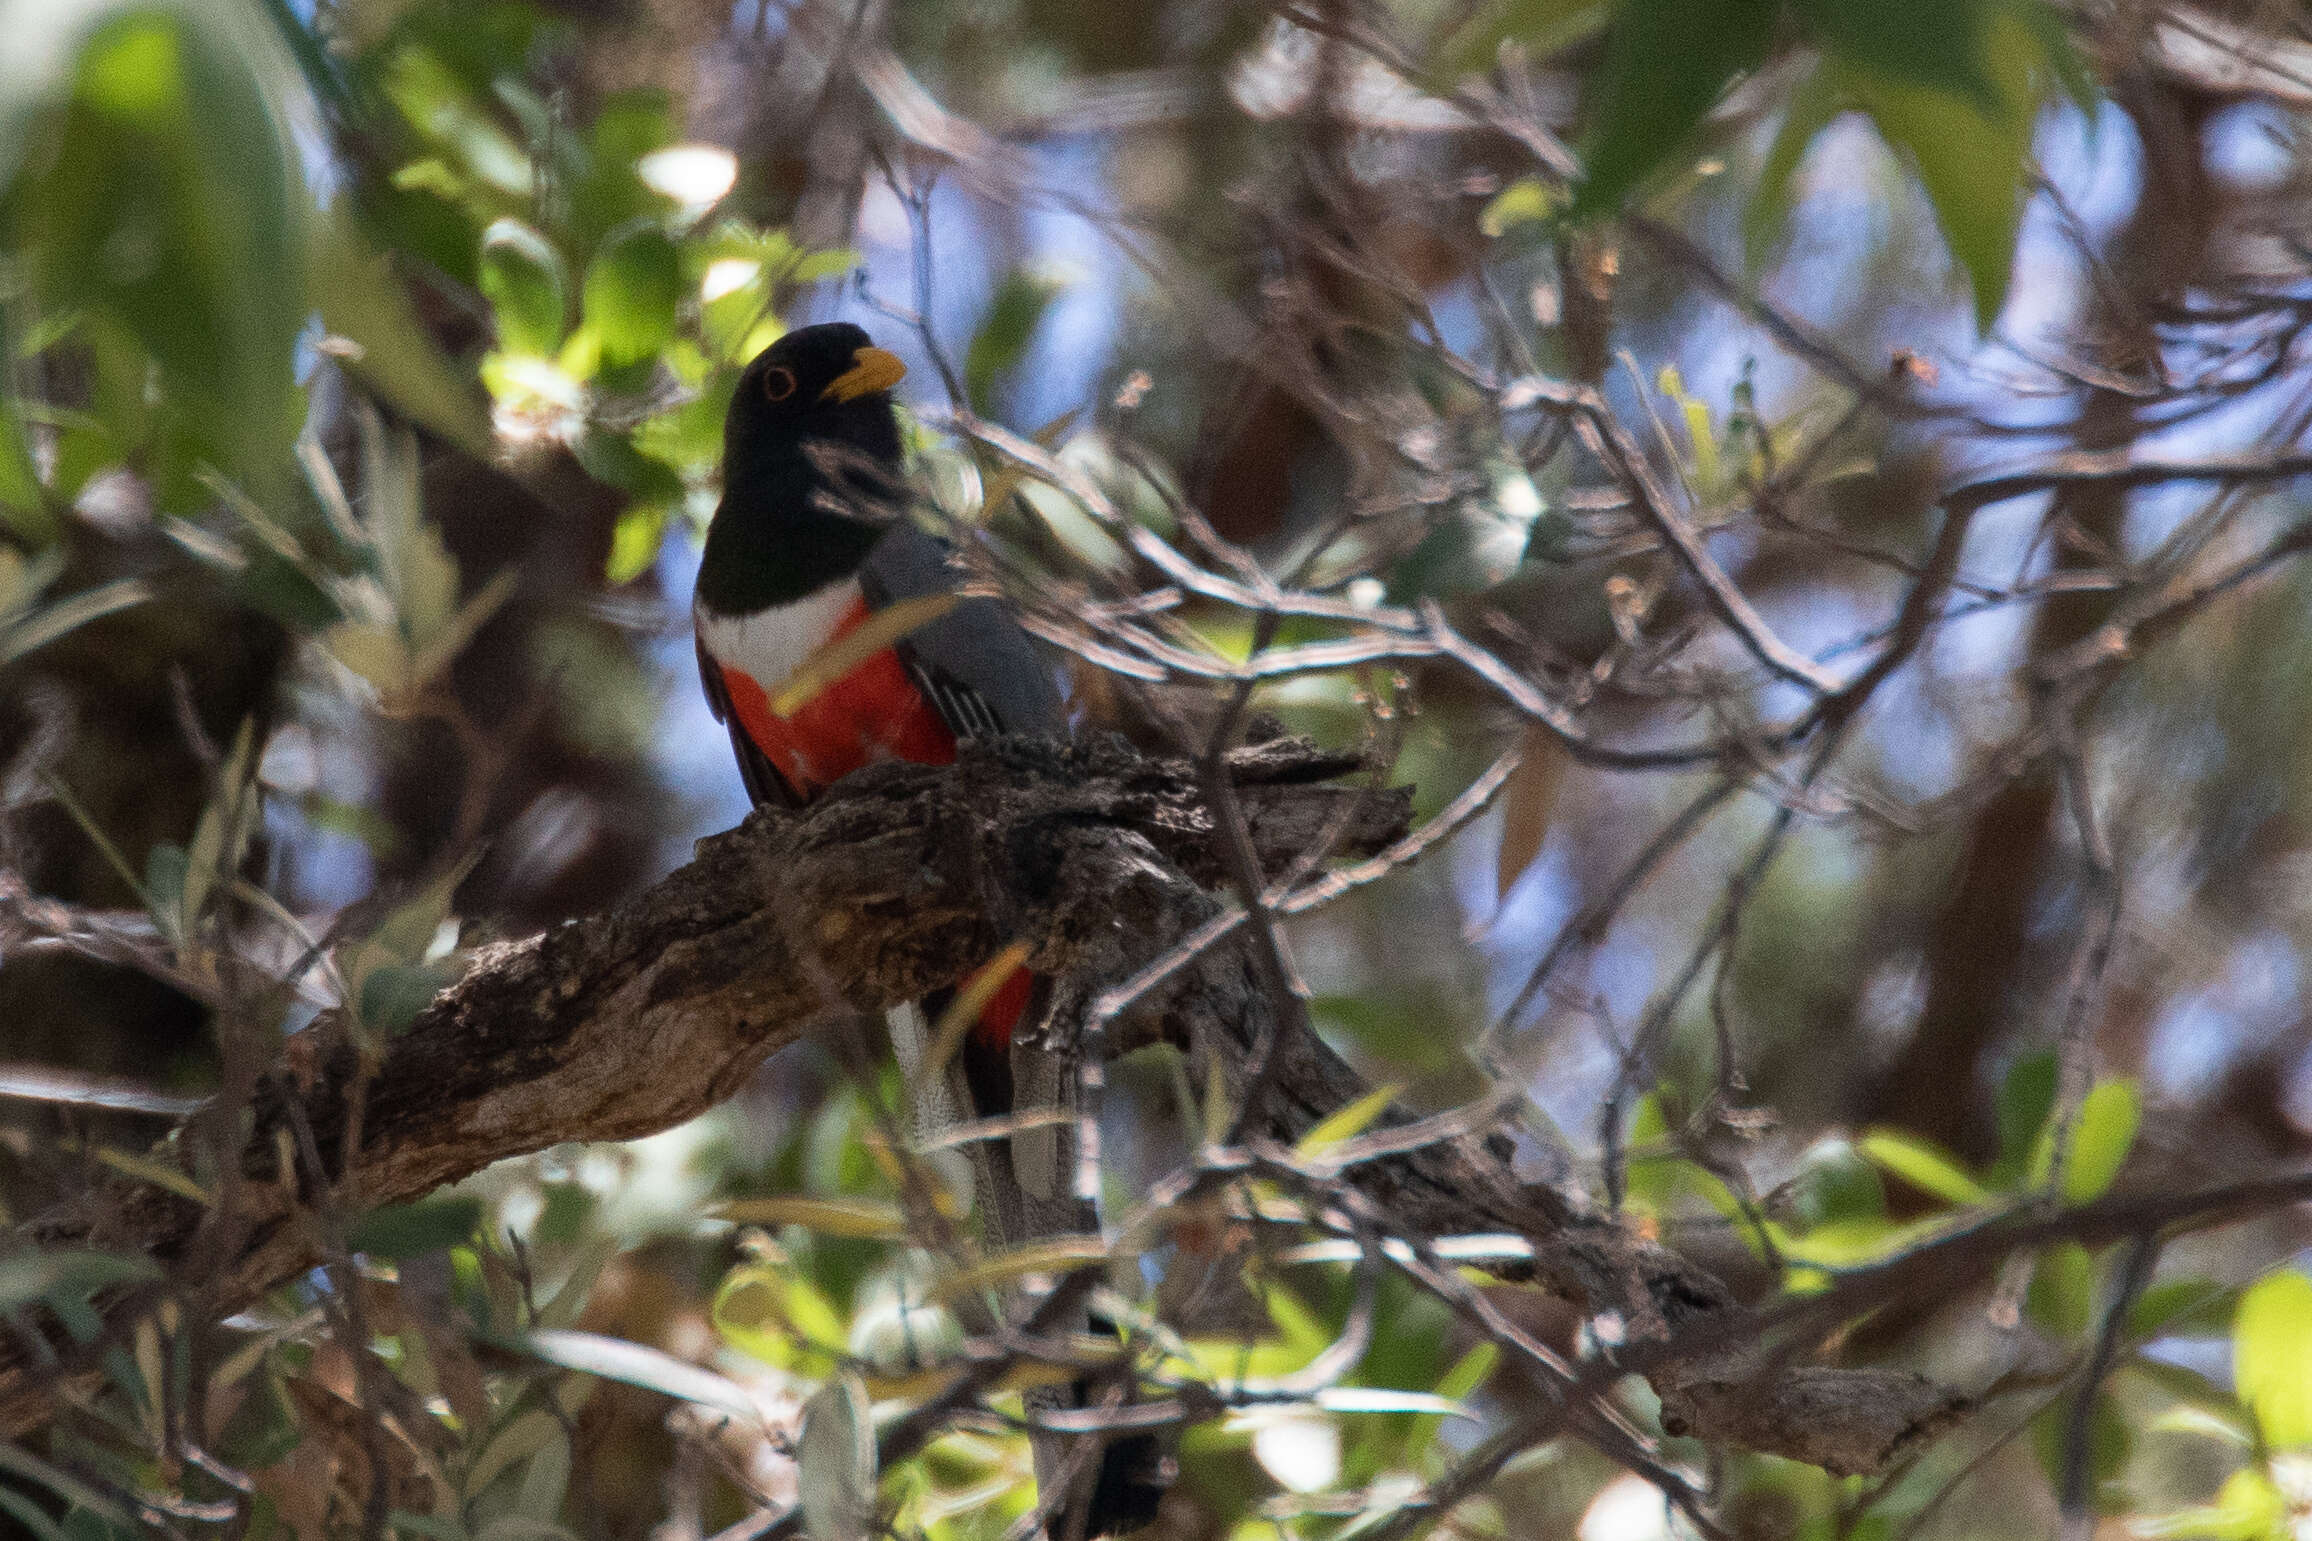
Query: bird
[[810, 542]]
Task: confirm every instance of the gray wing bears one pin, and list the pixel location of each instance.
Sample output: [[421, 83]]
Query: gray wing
[[981, 671]]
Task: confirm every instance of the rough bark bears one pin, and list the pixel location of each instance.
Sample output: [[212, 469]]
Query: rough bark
[[896, 884]]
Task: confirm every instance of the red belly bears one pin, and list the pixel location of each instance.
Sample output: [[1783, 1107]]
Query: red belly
[[872, 713]]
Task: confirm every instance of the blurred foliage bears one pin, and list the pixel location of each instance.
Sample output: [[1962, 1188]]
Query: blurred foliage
[[362, 374]]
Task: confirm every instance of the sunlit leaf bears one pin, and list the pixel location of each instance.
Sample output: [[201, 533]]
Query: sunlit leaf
[[761, 1310], [1057, 1255], [2247, 1508], [522, 278], [2101, 1137], [865, 1219], [1923, 1166], [2272, 1356], [168, 210], [363, 301], [1523, 202], [634, 543], [636, 1364], [632, 291], [1701, 434], [1835, 1182], [1344, 1124]]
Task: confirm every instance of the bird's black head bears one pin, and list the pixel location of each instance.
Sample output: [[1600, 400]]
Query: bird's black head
[[809, 435], [818, 381]]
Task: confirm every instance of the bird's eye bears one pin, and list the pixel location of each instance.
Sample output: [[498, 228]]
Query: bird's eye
[[778, 384]]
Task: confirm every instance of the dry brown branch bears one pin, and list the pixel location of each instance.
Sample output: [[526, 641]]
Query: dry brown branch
[[625, 1023]]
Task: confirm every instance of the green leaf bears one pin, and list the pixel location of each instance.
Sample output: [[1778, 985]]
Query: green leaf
[[168, 208], [613, 459], [263, 1429], [413, 1230], [1001, 342], [1347, 1123], [2026, 1098], [2272, 1357], [32, 1275], [393, 994], [2183, 1308], [23, 501], [362, 300], [689, 437], [221, 835], [522, 277], [1969, 149], [164, 886], [633, 289], [2062, 1294], [1543, 26], [20, 635], [1834, 1182], [1523, 202], [1924, 1166], [19, 1462], [1666, 64], [859, 1218], [1812, 107], [2101, 1137], [634, 1364], [1931, 43], [31, 1516], [2247, 1508], [517, 1439], [2109, 1439], [835, 1462], [545, 1480], [634, 543]]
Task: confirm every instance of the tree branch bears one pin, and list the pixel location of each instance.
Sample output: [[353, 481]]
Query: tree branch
[[898, 883]]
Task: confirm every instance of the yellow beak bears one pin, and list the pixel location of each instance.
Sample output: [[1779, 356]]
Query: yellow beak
[[872, 369]]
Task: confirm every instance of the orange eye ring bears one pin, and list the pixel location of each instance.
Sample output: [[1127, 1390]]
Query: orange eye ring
[[778, 383]]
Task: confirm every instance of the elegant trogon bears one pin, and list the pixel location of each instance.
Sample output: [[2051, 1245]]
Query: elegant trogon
[[811, 538]]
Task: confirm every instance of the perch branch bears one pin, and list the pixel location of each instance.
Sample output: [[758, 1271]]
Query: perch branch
[[896, 884]]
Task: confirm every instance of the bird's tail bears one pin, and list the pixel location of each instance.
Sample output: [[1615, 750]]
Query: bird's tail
[[1122, 1493]]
